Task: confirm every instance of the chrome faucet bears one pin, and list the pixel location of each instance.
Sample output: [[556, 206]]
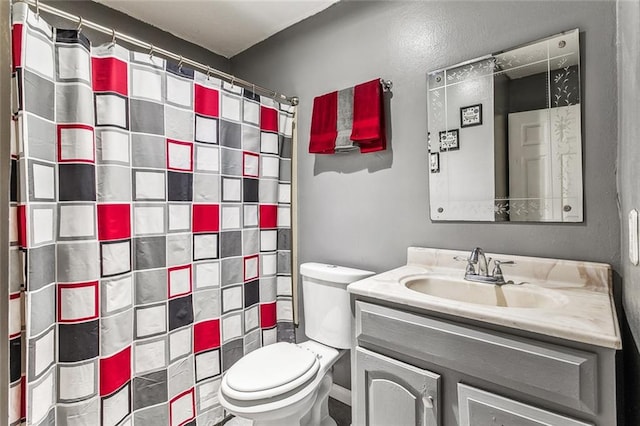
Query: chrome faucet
[[477, 257]]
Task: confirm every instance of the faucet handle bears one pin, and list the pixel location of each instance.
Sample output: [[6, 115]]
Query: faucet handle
[[497, 270]]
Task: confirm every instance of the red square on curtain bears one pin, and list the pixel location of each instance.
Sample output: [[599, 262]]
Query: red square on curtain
[[268, 315], [109, 75], [206, 217], [115, 371], [206, 101], [22, 226], [206, 335], [16, 39], [268, 216], [114, 221], [268, 119]]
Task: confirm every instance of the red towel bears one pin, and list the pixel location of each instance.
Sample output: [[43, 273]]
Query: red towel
[[368, 117], [324, 124]]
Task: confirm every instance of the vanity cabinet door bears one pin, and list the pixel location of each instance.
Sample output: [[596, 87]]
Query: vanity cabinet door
[[481, 408], [390, 392]]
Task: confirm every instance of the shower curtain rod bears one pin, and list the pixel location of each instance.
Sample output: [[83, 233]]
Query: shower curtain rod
[[156, 50]]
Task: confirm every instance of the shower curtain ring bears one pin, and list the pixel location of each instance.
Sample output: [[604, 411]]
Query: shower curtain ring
[[254, 89], [151, 52], [113, 36], [38, 10], [80, 25], [180, 63], [233, 80], [208, 72]]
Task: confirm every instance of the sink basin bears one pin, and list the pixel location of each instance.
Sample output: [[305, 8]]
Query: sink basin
[[506, 296]]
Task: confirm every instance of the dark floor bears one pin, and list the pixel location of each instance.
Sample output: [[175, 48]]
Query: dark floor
[[340, 412]]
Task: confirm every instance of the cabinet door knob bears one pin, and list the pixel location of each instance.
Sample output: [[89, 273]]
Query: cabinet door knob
[[567, 208]]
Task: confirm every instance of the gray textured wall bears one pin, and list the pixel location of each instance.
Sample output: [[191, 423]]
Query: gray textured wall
[[120, 22], [364, 210], [628, 178]]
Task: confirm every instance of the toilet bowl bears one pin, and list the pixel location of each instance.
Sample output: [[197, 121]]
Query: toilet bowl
[[288, 384]]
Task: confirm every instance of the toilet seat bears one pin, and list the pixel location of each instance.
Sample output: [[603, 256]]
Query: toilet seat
[[270, 371]]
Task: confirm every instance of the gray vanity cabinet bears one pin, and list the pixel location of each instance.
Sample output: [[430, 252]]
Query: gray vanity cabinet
[[418, 369], [395, 393]]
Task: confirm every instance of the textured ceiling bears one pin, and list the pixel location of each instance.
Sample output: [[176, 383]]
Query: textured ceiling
[[226, 27]]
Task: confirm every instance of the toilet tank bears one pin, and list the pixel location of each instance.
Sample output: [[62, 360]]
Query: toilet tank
[[327, 311]]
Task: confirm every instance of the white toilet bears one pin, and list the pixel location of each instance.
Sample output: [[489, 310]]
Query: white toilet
[[288, 384]]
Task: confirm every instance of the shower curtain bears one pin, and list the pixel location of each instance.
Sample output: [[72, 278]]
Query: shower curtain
[[151, 242]]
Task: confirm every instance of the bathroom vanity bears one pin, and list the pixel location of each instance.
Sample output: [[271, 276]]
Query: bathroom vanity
[[431, 348]]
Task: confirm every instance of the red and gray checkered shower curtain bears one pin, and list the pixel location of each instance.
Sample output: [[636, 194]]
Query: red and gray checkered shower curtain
[[152, 236]]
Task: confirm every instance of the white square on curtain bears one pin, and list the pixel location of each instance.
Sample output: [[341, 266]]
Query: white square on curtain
[[42, 225], [269, 336], [149, 185], [207, 159], [115, 146], [284, 286], [116, 258], [179, 91], [232, 88], [77, 221], [284, 193], [182, 408], [15, 316], [286, 124], [111, 110], [268, 240], [179, 156], [149, 356], [252, 112], [148, 220], [76, 144], [269, 143], [77, 303], [230, 217], [269, 264], [284, 217], [43, 181], [15, 397], [251, 164], [205, 246], [77, 381], [179, 281], [207, 365], [116, 407], [231, 298], [250, 215], [73, 63], [13, 223], [231, 189], [230, 107], [146, 84], [208, 394], [45, 351], [41, 398], [179, 217], [270, 166], [231, 327], [284, 310], [118, 294], [39, 55], [251, 268], [251, 320], [206, 130], [151, 320], [207, 275], [180, 343]]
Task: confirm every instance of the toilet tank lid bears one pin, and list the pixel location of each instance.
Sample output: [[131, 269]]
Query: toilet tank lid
[[333, 273]]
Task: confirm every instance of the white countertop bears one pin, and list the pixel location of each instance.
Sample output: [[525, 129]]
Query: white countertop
[[585, 312]]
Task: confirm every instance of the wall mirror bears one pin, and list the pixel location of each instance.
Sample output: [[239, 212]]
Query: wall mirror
[[505, 139]]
